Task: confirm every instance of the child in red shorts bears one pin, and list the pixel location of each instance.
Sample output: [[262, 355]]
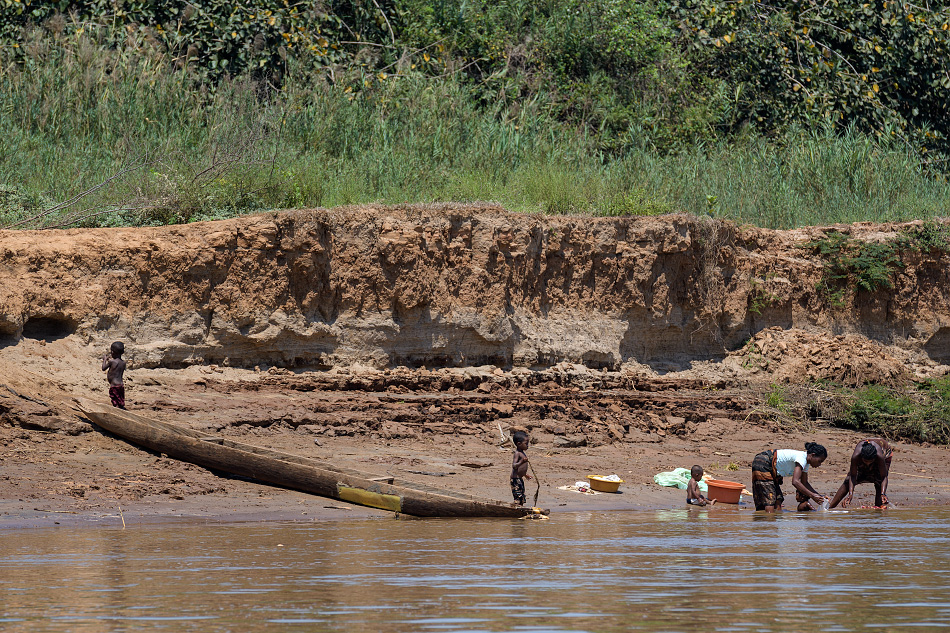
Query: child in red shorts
[[115, 366]]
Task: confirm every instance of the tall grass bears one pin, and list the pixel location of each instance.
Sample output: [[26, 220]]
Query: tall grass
[[920, 413], [74, 112]]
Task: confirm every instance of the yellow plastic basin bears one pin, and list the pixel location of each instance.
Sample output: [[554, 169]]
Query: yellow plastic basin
[[598, 483]]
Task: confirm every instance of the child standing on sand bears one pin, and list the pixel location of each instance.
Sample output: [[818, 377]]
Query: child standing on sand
[[519, 467], [693, 496], [115, 366]]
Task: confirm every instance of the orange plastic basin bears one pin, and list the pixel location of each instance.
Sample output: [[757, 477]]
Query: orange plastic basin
[[724, 491]]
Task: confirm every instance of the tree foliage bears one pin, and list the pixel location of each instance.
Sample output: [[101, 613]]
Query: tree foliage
[[213, 37], [660, 73], [881, 65]]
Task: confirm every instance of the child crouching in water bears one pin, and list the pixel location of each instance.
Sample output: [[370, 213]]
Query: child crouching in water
[[519, 467], [693, 496]]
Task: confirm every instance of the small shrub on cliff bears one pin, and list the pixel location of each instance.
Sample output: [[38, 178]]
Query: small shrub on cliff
[[759, 297], [929, 237], [854, 264], [713, 240]]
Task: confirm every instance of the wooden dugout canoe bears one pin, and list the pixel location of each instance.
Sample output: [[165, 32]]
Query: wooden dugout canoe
[[291, 471]]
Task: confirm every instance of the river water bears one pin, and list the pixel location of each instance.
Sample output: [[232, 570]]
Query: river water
[[674, 570]]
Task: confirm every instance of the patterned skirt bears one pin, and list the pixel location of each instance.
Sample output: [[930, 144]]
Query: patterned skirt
[[766, 483]]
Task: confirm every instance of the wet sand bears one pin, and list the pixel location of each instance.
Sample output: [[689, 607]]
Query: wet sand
[[440, 428], [94, 478]]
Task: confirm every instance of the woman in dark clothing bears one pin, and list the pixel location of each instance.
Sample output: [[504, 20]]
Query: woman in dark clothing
[[870, 464]]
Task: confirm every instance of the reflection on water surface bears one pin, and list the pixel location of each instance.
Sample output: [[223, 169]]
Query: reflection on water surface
[[675, 570]]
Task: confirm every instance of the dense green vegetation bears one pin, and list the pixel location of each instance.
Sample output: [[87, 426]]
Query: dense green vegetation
[[853, 266], [919, 412], [135, 111]]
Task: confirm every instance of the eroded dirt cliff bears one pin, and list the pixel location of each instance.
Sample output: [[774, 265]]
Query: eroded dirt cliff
[[450, 286]]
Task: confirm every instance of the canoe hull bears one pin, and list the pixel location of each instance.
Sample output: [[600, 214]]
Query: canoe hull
[[294, 472]]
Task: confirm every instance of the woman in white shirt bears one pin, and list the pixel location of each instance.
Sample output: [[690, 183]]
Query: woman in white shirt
[[769, 468]]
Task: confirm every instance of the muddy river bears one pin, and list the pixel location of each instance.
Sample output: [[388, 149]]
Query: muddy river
[[673, 570]]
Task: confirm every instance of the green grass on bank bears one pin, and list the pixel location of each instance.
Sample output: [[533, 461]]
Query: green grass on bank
[[72, 118], [919, 412]]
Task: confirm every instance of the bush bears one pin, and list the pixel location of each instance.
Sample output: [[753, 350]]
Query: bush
[[17, 205], [216, 39], [880, 65], [920, 415], [929, 237], [854, 264]]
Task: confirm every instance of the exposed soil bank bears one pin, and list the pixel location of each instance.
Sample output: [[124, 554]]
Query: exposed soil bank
[[397, 339], [449, 286]]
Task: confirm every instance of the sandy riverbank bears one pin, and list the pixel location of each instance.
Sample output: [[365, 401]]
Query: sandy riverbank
[[54, 478]]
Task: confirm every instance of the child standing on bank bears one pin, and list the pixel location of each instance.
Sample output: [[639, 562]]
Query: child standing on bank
[[115, 366], [693, 496], [519, 467]]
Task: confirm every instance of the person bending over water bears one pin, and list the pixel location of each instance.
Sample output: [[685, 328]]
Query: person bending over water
[[769, 468], [870, 464]]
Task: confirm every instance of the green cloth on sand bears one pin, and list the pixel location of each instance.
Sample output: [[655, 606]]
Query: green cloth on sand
[[677, 478]]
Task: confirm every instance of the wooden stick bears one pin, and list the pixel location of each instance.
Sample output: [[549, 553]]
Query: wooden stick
[[537, 481]]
